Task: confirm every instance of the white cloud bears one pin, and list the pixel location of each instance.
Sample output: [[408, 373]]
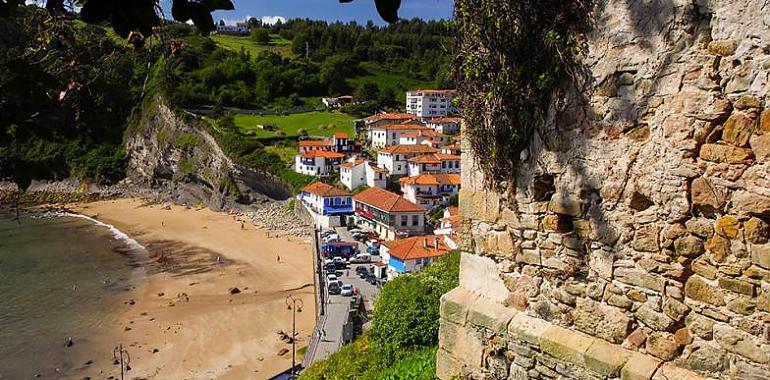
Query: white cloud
[[270, 20]]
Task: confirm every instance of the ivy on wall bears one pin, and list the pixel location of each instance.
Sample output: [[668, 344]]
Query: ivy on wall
[[511, 58]]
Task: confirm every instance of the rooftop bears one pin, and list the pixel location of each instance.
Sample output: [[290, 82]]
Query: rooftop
[[386, 201], [324, 190], [321, 153], [403, 127], [437, 92], [341, 135], [403, 149], [417, 247], [422, 132], [432, 179], [435, 158], [354, 163], [446, 120], [390, 116], [315, 143]]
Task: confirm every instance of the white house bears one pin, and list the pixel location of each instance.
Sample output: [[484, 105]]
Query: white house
[[449, 227], [445, 125], [376, 176], [381, 119], [430, 190], [358, 172], [423, 137], [395, 158], [388, 214], [337, 102], [326, 204], [390, 134], [411, 255], [430, 103], [340, 143], [433, 164], [239, 29], [453, 149], [317, 162]]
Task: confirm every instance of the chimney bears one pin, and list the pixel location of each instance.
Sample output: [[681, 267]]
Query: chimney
[[425, 243], [435, 241]]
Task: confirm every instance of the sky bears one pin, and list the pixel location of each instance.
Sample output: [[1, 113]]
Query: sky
[[332, 10]]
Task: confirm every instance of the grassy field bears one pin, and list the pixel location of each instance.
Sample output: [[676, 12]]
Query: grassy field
[[277, 44], [398, 82], [286, 153], [291, 124]]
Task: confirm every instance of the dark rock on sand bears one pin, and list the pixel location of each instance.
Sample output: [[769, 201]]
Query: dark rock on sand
[[234, 290]]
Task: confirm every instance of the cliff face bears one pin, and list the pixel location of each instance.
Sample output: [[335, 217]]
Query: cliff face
[[169, 153], [633, 240]]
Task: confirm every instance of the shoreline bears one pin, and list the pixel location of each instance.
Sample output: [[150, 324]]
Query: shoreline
[[182, 320]]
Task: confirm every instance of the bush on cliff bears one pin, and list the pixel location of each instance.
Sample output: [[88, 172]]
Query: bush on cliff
[[402, 342]]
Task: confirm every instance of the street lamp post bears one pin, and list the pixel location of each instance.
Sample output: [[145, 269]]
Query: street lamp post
[[295, 305]]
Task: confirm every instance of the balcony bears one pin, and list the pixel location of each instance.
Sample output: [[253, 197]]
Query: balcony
[[338, 209]]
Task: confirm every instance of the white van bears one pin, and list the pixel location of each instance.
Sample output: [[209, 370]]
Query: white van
[[362, 258]]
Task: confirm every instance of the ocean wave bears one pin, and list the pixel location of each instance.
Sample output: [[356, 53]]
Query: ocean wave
[[116, 233]]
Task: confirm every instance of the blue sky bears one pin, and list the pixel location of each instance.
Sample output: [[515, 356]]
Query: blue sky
[[332, 10]]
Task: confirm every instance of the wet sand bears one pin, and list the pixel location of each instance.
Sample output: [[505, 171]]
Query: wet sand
[[181, 322]]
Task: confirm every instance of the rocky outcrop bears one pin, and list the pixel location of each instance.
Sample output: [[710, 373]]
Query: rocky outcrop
[[632, 241], [179, 156]]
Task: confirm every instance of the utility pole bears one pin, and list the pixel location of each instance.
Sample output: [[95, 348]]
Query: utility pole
[[121, 356], [295, 305]]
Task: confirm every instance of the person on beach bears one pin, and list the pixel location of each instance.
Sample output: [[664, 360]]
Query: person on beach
[[279, 258], [162, 223]]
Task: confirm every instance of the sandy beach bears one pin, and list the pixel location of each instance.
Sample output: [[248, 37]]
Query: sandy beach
[[181, 321]]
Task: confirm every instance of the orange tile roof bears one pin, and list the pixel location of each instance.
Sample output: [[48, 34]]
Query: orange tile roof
[[389, 116], [422, 132], [431, 179], [386, 201], [446, 120], [427, 91], [315, 143], [435, 158], [324, 190], [453, 211], [403, 127], [417, 247], [341, 135], [378, 169], [404, 149], [354, 163], [451, 147], [322, 153]]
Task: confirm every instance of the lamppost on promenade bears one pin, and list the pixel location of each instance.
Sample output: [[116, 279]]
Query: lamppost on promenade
[[295, 305]]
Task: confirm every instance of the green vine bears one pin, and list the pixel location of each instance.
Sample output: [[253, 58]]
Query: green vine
[[512, 56]]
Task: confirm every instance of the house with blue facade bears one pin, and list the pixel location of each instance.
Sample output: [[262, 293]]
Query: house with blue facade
[[412, 254], [327, 204]]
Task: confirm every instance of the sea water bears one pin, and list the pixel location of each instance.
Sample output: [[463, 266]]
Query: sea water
[[61, 277]]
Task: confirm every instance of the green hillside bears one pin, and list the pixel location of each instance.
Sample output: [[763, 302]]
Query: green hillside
[[321, 123], [277, 45]]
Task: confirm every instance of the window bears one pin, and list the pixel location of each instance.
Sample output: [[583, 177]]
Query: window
[[404, 220], [415, 220]]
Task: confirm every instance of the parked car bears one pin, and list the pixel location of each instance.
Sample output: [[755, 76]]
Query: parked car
[[361, 269], [331, 238], [347, 290], [362, 258], [330, 268], [327, 233], [332, 279], [373, 250], [372, 279], [338, 260], [334, 288], [357, 231]]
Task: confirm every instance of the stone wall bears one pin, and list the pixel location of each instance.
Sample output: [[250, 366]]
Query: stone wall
[[633, 240]]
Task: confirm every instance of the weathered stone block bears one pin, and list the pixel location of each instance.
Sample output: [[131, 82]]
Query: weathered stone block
[[662, 345], [491, 315], [728, 226], [738, 128], [447, 334], [565, 345], [736, 285], [639, 367], [764, 122], [605, 322], [527, 329], [708, 357], [479, 275], [741, 343], [606, 359], [601, 261], [746, 203], [724, 153], [699, 290], [674, 309], [700, 226], [704, 269], [722, 47], [565, 205], [671, 372], [719, 246], [656, 321], [703, 193], [700, 325], [454, 305], [763, 301], [742, 305], [557, 223], [689, 246], [640, 278], [760, 145], [760, 255], [756, 231], [447, 367], [646, 239]]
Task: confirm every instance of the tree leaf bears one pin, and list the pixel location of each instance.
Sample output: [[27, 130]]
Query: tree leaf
[[180, 10], [212, 5], [201, 17], [388, 9], [96, 11]]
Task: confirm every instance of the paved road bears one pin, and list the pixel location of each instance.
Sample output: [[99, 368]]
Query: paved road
[[337, 309]]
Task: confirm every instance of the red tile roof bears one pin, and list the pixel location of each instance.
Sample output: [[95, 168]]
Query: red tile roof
[[403, 127], [405, 149], [324, 190], [432, 179], [435, 158], [322, 153], [446, 120], [451, 147], [341, 135], [422, 132], [417, 247], [315, 143], [378, 169], [390, 116], [427, 91], [386, 201], [354, 163]]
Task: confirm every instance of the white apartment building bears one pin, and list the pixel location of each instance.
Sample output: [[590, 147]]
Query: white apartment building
[[430, 190], [390, 134], [395, 158], [427, 104], [445, 125], [436, 163], [317, 162]]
